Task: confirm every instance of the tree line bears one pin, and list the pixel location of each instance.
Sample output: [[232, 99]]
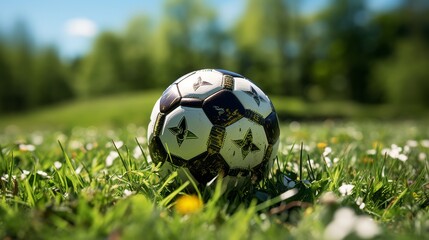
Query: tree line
[[343, 52]]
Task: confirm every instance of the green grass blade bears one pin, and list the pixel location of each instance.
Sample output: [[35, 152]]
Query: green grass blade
[[282, 197], [164, 202], [76, 180]]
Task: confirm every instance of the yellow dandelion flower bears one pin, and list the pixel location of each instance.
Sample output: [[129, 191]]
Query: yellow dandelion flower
[[187, 204], [377, 145], [334, 140], [308, 211], [321, 145]]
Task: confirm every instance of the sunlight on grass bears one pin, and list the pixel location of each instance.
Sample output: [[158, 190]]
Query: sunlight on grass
[[357, 180]]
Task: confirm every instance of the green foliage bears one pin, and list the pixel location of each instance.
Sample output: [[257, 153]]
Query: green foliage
[[103, 69], [261, 38], [30, 78], [51, 82], [344, 52], [136, 53], [185, 40], [404, 75]]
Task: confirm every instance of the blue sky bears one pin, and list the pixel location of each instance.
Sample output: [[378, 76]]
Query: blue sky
[[48, 19], [72, 25]]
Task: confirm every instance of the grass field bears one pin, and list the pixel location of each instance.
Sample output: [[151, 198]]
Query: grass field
[[117, 111], [66, 174]]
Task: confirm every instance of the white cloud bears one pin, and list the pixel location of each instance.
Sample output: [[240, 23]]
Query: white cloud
[[80, 27]]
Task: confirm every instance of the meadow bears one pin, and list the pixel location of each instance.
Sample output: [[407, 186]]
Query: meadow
[[82, 171]]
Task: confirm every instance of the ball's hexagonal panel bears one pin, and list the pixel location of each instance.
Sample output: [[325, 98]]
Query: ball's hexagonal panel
[[153, 116], [272, 128], [223, 108], [245, 144], [252, 97], [157, 151], [170, 99], [274, 152], [182, 172], [184, 77], [201, 84], [185, 132]]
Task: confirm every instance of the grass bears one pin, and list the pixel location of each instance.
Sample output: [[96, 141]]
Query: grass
[[349, 179], [115, 111], [106, 111]]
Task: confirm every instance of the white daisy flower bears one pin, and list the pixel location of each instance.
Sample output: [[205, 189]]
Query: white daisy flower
[[128, 193], [58, 165], [137, 152], [27, 147], [366, 228], [346, 189], [342, 224], [42, 174], [412, 143], [111, 157], [425, 143]]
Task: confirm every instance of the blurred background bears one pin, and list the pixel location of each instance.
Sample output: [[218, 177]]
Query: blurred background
[[369, 53]]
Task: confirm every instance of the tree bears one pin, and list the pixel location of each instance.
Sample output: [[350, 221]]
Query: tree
[[21, 60], [102, 70], [403, 78], [401, 71], [51, 83], [6, 80], [181, 42], [344, 69], [261, 36], [136, 52]]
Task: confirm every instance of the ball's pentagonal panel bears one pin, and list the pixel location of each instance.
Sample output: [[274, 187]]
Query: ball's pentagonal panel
[[185, 132], [223, 108], [201, 84], [191, 102], [272, 128], [205, 169], [252, 97], [170, 99], [232, 74], [245, 144]]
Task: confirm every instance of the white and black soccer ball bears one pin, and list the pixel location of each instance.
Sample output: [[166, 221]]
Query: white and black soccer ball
[[214, 123]]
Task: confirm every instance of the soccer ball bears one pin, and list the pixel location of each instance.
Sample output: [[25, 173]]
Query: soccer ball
[[212, 123]]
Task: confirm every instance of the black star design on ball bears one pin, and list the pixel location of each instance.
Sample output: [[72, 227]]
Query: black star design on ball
[[246, 144], [181, 132], [200, 82], [255, 95]]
